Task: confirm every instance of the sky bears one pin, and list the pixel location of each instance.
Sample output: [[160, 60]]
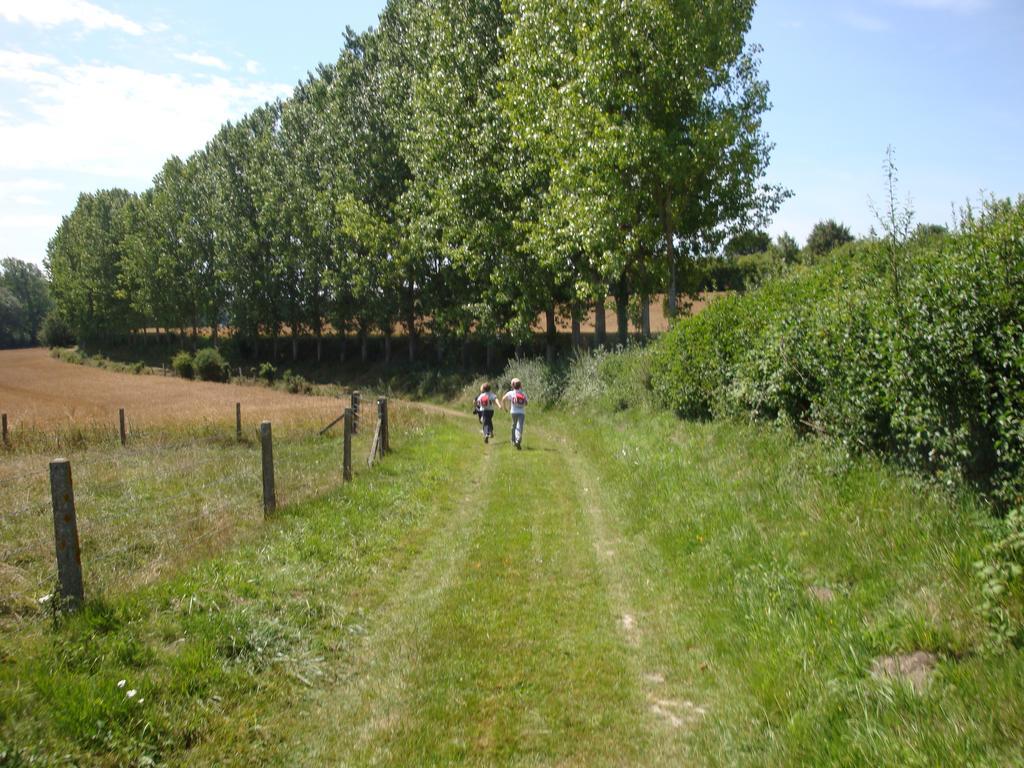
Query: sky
[[98, 94]]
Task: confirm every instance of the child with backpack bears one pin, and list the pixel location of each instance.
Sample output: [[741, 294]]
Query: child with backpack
[[517, 401], [485, 402]]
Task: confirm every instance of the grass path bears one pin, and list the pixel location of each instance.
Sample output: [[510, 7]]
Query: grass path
[[506, 642]]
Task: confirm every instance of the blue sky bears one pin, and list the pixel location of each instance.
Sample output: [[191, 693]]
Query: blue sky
[[98, 94]]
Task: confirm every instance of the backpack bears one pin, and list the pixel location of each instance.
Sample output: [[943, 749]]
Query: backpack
[[484, 400], [519, 398]]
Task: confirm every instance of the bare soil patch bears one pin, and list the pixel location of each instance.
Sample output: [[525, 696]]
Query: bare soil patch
[[913, 668], [38, 391]]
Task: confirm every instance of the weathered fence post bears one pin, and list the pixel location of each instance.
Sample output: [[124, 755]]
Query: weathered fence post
[[65, 535], [238, 422], [3, 422], [385, 437], [347, 462], [267, 445], [355, 412], [124, 432]]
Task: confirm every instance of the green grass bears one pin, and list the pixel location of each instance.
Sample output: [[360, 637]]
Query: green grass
[[627, 590]]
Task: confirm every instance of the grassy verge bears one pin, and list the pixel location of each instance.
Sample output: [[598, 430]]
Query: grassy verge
[[211, 650], [767, 576], [136, 505]]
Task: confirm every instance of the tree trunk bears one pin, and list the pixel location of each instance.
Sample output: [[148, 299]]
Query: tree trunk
[[551, 334], [645, 318], [295, 346], [364, 345], [576, 335], [622, 310], [600, 326], [215, 334], [670, 254], [319, 345], [387, 348], [343, 338], [410, 324]]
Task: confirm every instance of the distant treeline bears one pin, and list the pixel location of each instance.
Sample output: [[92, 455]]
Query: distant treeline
[[465, 167], [24, 303]]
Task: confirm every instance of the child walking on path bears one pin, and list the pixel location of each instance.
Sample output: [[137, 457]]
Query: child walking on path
[[485, 407], [517, 401]]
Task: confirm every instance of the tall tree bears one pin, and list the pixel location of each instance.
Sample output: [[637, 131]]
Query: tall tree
[[648, 113], [27, 285], [86, 261]]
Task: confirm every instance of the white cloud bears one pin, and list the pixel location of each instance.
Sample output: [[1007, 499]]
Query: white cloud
[[13, 186], [116, 121], [202, 59], [54, 13], [27, 68], [29, 200], [253, 67], [44, 221]]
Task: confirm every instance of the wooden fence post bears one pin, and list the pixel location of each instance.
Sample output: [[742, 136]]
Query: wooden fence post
[[385, 436], [347, 462], [238, 422], [124, 432], [3, 420], [355, 412], [65, 535], [267, 445]]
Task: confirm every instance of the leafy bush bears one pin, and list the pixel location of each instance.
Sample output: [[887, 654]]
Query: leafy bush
[[610, 381], [183, 365], [542, 382], [268, 372], [930, 371], [210, 365], [55, 332], [924, 364], [296, 384]]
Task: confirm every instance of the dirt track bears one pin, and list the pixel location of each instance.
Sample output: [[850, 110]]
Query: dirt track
[[38, 391]]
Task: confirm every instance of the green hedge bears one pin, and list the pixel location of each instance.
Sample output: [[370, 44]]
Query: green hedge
[[927, 367]]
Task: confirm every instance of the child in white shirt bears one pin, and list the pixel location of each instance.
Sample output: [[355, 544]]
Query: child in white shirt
[[517, 401]]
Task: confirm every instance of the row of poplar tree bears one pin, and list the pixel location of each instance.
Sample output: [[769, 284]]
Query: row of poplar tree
[[466, 167]]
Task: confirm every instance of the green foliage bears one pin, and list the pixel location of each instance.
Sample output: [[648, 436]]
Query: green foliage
[[24, 301], [545, 384], [826, 236], [747, 242], [934, 379], [209, 365], [610, 381], [267, 372], [55, 332], [11, 313], [1002, 583], [930, 375], [183, 364], [295, 383]]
